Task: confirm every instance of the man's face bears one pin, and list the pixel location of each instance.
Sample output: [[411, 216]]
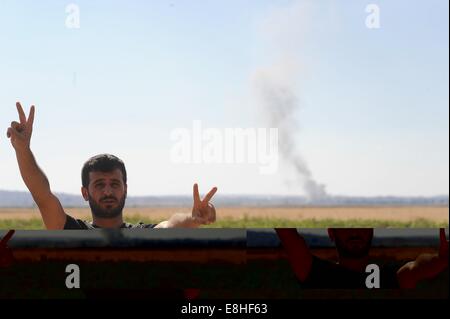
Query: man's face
[[106, 193], [352, 242]]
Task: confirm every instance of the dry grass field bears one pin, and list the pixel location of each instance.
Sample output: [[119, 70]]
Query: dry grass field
[[396, 216], [400, 213]]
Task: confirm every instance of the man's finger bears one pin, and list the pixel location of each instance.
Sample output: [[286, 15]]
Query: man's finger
[[209, 195], [212, 215], [11, 132], [7, 238], [15, 125], [197, 200], [31, 116], [442, 235], [22, 117]]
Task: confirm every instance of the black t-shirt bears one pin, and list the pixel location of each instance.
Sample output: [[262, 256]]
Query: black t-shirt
[[328, 275], [74, 224]]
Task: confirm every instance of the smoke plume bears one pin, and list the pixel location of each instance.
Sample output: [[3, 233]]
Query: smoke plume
[[280, 105]]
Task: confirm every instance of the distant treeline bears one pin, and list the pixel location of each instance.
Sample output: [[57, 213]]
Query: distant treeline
[[24, 200]]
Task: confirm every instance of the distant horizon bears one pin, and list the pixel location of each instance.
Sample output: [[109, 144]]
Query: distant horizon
[[21, 199], [251, 195]]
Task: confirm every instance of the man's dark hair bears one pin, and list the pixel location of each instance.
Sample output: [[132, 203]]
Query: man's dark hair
[[102, 163]]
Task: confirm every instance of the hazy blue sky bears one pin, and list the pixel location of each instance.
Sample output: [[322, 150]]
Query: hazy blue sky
[[374, 103]]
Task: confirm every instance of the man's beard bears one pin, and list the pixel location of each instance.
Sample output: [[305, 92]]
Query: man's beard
[[100, 212], [356, 253]]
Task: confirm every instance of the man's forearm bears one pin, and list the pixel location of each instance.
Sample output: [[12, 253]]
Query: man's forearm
[[34, 178], [428, 266], [180, 220], [297, 250]]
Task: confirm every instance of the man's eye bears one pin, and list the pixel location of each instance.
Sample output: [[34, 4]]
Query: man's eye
[[99, 185], [116, 185]]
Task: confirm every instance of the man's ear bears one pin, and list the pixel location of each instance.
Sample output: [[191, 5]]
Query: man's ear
[[85, 193], [331, 234]]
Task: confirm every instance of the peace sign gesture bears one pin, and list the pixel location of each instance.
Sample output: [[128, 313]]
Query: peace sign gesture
[[20, 133], [203, 211]]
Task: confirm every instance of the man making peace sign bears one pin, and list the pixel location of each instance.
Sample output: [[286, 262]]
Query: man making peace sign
[[104, 186]]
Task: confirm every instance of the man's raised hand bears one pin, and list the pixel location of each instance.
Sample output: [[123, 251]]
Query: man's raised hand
[[20, 132], [443, 247], [203, 211]]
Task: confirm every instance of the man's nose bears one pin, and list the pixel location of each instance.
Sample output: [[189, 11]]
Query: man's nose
[[107, 190]]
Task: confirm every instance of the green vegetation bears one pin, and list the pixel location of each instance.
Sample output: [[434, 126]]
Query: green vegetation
[[36, 223]]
